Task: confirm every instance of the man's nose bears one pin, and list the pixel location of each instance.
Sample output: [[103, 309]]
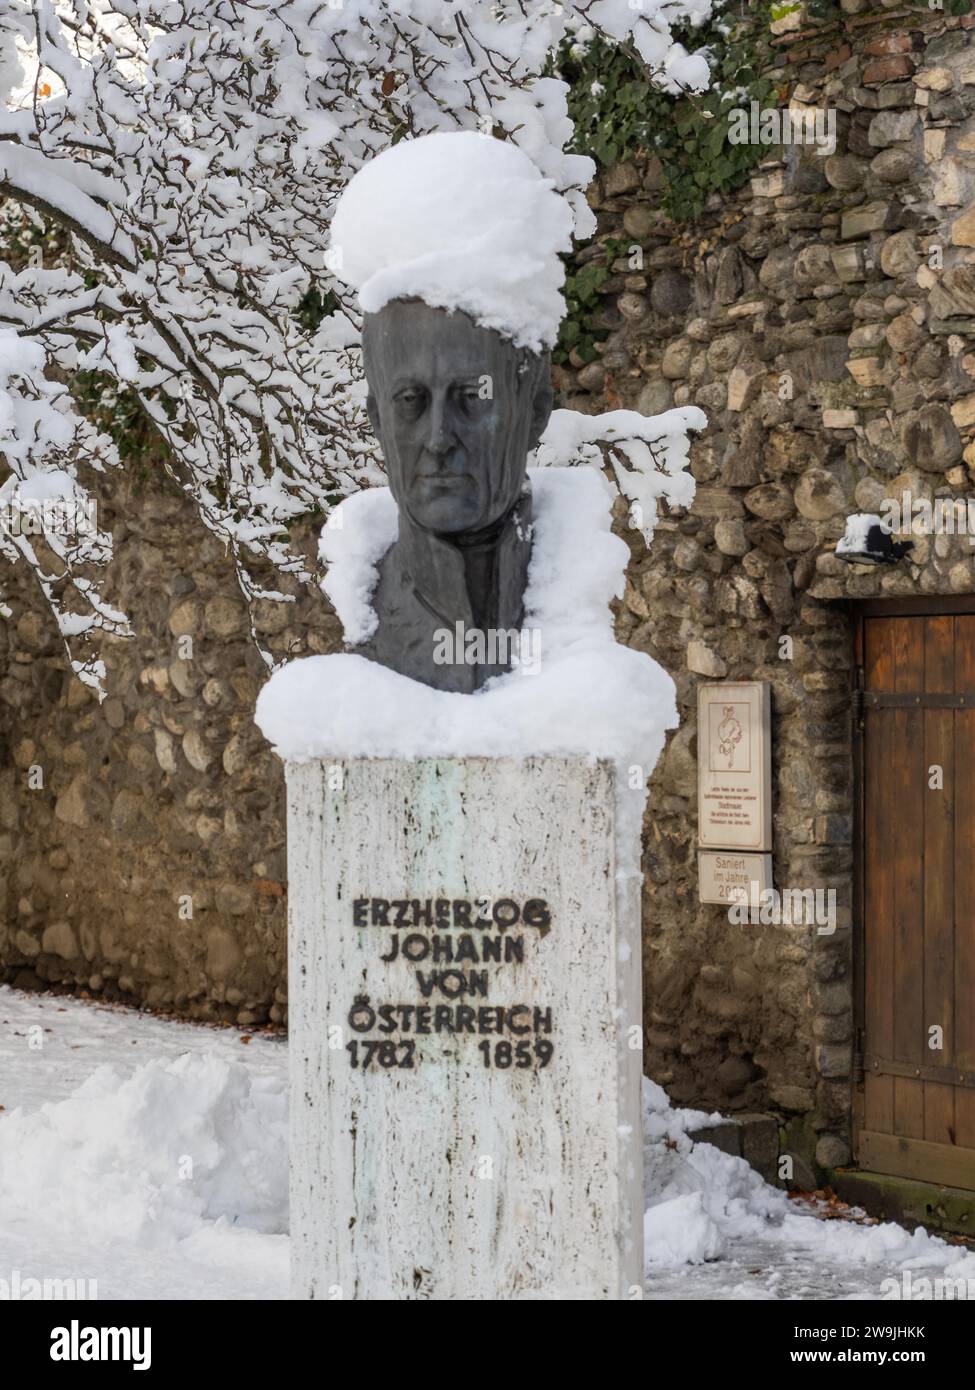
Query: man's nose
[[440, 434]]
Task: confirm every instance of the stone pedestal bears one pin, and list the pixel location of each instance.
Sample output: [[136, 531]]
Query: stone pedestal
[[464, 1004]]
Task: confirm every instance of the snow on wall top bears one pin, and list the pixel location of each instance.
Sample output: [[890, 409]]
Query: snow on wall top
[[589, 695], [462, 221]]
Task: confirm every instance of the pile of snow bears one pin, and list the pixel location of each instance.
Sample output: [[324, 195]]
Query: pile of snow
[[590, 695], [159, 1158], [680, 1231], [462, 221], [704, 1205]]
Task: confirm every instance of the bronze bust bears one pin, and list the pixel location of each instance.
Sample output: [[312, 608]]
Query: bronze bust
[[457, 408]]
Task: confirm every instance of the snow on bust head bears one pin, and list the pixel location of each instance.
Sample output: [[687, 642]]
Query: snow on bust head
[[462, 221], [452, 242]]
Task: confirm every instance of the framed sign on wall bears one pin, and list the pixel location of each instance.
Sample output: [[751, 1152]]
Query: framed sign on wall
[[734, 759]]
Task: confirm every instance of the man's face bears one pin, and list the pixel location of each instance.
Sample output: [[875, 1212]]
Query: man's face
[[454, 417]]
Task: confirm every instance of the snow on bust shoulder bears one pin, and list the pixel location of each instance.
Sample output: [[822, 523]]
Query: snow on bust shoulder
[[590, 695]]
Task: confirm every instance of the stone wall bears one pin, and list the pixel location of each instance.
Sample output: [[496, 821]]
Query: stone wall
[[824, 319], [142, 841]]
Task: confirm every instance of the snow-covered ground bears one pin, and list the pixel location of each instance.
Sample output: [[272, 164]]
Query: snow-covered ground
[[716, 1230], [148, 1155], [151, 1156]]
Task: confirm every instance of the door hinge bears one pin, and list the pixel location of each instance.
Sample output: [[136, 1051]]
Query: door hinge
[[858, 1058], [857, 703]]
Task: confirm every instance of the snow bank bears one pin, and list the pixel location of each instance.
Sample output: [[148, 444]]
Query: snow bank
[[590, 695], [461, 221], [703, 1205], [191, 1152], [680, 1231]]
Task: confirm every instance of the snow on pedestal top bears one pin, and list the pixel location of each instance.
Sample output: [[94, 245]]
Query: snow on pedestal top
[[461, 221], [589, 696]]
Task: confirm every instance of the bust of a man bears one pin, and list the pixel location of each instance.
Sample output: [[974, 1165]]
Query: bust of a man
[[452, 242], [457, 408]]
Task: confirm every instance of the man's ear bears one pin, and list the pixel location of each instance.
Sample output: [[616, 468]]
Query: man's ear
[[542, 403], [372, 410]]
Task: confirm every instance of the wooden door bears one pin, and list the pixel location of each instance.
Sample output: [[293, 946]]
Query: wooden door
[[915, 1102]]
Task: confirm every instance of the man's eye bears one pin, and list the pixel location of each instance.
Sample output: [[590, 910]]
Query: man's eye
[[412, 399]]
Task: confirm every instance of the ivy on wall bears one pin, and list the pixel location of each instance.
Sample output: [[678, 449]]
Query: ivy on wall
[[617, 112], [583, 288]]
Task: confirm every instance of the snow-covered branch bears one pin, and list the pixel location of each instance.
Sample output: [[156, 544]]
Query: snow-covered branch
[[193, 152], [648, 454]]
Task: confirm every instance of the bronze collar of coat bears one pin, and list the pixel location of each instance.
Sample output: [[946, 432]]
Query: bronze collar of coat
[[437, 568]]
